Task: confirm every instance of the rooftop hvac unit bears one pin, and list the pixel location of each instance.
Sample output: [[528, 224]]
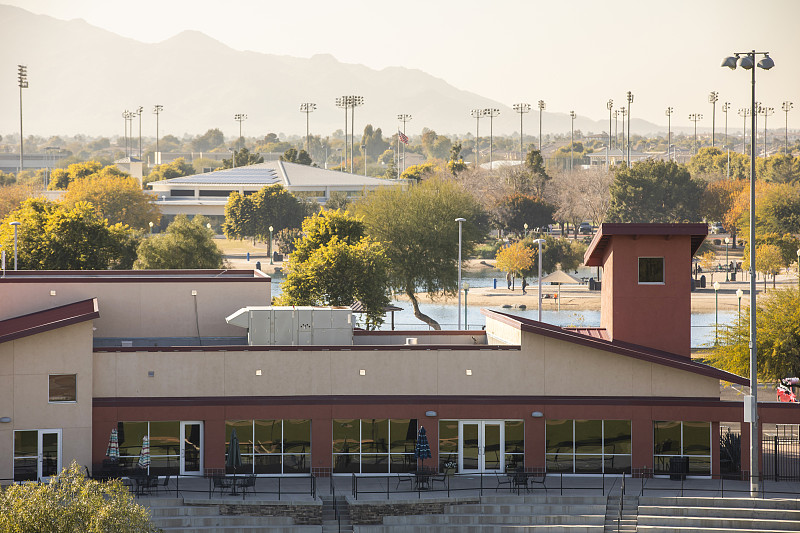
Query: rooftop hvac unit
[[295, 326]]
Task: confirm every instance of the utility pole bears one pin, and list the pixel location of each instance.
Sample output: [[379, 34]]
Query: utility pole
[[22, 76], [157, 109], [713, 97], [695, 117], [491, 112], [521, 108], [477, 114], [668, 112], [542, 107]]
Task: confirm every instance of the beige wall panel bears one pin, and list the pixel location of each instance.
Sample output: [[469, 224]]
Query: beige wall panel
[[500, 333], [282, 373], [6, 359], [6, 452], [64, 350], [402, 372], [672, 382], [493, 373], [176, 374], [32, 410], [104, 374], [7, 398], [76, 443]]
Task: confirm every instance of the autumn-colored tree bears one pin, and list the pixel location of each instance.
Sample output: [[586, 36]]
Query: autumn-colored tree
[[60, 178], [175, 169], [118, 200], [418, 172], [708, 262], [721, 202], [515, 258], [11, 196], [769, 261]]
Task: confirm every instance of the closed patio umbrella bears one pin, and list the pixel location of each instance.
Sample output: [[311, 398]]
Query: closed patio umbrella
[[144, 456], [113, 446], [234, 459], [422, 449]]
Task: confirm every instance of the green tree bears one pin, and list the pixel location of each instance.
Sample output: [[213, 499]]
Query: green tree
[[537, 177], [69, 503], [713, 163], [252, 215], [456, 164], [654, 191], [417, 226], [293, 156], [777, 338], [337, 200], [418, 172], [566, 253], [779, 168], [186, 244], [176, 169], [374, 141], [119, 200], [60, 178], [334, 264], [211, 139], [513, 212], [777, 210], [53, 236], [769, 261], [243, 159]]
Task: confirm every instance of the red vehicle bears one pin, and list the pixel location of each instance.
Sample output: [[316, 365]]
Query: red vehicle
[[786, 390]]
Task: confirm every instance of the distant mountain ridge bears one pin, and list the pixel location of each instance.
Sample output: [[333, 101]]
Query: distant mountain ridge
[[82, 78]]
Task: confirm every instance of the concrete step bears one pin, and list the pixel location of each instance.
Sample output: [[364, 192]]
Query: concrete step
[[493, 520], [521, 508], [746, 503], [184, 510], [478, 529], [723, 512], [716, 522], [224, 521], [542, 498], [694, 529], [245, 529]]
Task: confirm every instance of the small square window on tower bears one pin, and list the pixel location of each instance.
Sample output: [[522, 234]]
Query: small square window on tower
[[651, 270]]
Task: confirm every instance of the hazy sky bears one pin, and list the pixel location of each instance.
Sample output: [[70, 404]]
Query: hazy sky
[[574, 55]]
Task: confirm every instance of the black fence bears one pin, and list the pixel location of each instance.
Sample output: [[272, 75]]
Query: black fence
[[781, 457]]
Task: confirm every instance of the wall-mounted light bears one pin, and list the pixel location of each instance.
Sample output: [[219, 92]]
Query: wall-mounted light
[[151, 373], [537, 414], [362, 372], [5, 419], [194, 293], [52, 293], [430, 413], [258, 372], [469, 371]]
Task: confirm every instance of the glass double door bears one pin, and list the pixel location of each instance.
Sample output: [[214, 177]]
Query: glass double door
[[37, 454], [481, 446]]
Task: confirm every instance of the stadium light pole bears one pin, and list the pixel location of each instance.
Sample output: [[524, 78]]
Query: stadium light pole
[[630, 101], [542, 107], [668, 112], [460, 222], [157, 109], [624, 112], [616, 127], [572, 116], [404, 117], [477, 114], [308, 108], [725, 108], [786, 106], [22, 75], [713, 98], [610, 106], [695, 117], [139, 111], [240, 117], [491, 112], [766, 111], [355, 101], [521, 108], [747, 60], [744, 113], [343, 102]]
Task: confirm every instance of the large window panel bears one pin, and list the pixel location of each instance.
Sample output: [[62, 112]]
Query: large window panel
[[272, 446], [244, 432], [364, 446], [667, 438], [617, 436], [296, 436], [588, 446], [691, 439], [589, 436], [559, 436], [374, 436], [346, 436], [267, 436]]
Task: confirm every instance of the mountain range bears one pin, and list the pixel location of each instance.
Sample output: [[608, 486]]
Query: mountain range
[[81, 79]]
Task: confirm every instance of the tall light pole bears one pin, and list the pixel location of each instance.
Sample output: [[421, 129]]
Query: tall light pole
[[727, 242], [695, 117], [477, 114], [404, 117], [725, 107], [364, 152], [22, 76], [139, 111], [542, 107], [355, 101], [466, 290], [343, 102], [609, 106], [572, 116], [747, 60], [15, 224], [157, 109], [739, 294], [744, 113], [786, 107], [540, 242], [271, 255], [713, 98], [460, 222], [491, 112], [308, 108], [766, 111], [240, 117], [624, 112], [716, 313], [630, 101], [616, 127], [521, 108], [669, 112]]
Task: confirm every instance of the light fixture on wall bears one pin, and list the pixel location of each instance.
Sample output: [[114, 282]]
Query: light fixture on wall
[[469, 371], [362, 372], [537, 414], [430, 413], [5, 419]]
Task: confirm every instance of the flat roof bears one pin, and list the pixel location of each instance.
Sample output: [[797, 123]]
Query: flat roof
[[49, 319], [597, 248], [123, 276]]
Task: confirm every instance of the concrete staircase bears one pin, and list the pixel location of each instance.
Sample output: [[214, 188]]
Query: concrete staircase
[[540, 513], [330, 524], [172, 516], [630, 512], [712, 515]]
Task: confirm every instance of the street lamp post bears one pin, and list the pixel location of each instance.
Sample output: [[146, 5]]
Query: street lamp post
[[466, 290], [727, 241], [540, 242], [521, 108], [151, 226], [308, 108], [525, 225], [491, 112], [15, 224], [725, 107], [240, 117], [157, 110], [739, 294], [270, 246], [22, 75], [747, 60], [766, 111], [610, 106], [630, 101], [460, 222], [542, 107], [572, 116], [786, 107], [668, 112], [477, 114], [403, 117], [624, 112], [713, 98], [695, 117], [716, 313], [364, 153]]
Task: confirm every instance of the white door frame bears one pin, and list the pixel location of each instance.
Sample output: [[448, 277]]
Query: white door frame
[[183, 471], [482, 424]]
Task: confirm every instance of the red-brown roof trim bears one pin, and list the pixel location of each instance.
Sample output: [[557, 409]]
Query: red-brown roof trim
[[134, 276], [594, 254], [312, 348], [627, 349], [47, 320]]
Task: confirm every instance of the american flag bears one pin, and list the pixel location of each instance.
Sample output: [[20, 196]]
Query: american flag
[[403, 137]]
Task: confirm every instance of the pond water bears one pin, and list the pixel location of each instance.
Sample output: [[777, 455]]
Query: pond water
[[703, 329]]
